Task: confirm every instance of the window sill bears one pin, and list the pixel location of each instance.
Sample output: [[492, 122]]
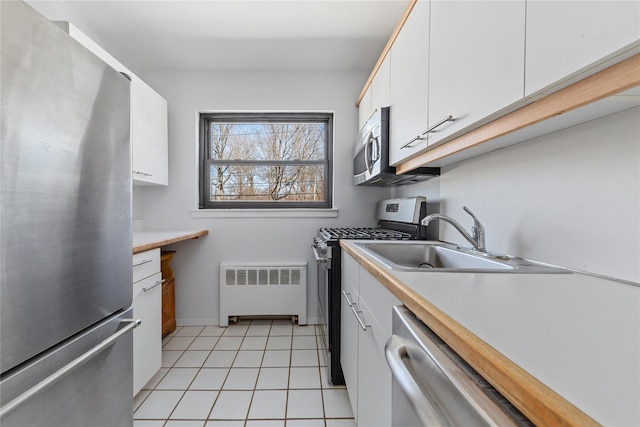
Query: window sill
[[264, 213]]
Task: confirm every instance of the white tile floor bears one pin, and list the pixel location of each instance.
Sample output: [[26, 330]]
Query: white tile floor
[[258, 373]]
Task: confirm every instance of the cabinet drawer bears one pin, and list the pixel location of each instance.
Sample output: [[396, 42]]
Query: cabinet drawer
[[146, 264], [147, 338], [350, 273]]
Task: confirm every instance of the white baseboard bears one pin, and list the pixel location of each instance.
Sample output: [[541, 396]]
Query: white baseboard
[[216, 322]]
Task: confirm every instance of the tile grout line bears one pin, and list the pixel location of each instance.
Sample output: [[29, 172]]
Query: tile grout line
[[200, 367], [195, 376]]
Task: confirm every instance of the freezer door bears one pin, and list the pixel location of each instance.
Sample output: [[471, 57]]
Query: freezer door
[[97, 393], [65, 218]]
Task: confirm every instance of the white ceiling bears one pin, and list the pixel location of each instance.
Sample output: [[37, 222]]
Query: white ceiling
[[245, 34]]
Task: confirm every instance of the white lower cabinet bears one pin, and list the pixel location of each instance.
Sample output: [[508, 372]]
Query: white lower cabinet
[[348, 338], [147, 306], [366, 327]]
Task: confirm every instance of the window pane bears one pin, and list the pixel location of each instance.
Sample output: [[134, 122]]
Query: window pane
[[267, 182], [267, 141], [266, 160]]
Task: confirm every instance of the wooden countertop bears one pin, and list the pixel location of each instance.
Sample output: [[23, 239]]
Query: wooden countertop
[[563, 348], [147, 240]]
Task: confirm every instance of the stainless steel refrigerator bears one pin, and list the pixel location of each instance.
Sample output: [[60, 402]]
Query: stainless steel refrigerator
[[65, 230]]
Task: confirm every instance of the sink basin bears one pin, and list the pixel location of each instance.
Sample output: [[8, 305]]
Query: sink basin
[[433, 256]]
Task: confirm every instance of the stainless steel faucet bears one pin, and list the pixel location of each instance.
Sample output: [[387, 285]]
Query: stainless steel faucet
[[476, 238]]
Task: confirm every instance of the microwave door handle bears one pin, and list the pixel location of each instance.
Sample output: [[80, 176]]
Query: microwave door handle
[[376, 141], [367, 154]]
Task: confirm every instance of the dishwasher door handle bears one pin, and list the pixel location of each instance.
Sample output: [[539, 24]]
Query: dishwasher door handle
[[396, 353]]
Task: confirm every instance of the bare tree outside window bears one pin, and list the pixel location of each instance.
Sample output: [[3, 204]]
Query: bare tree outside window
[[265, 160]]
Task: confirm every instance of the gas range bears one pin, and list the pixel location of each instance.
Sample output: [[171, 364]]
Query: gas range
[[398, 219]]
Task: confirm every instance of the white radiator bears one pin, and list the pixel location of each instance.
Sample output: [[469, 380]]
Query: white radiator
[[263, 289]]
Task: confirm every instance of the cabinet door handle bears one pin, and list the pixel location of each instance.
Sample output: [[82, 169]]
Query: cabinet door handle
[[420, 137], [144, 261], [142, 173], [347, 296], [358, 314], [440, 123], [417, 138], [159, 282]]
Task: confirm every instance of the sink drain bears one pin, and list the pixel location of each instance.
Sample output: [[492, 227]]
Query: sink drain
[[425, 265]]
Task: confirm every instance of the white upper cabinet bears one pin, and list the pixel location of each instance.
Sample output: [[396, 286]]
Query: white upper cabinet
[[377, 94], [565, 38], [149, 134], [364, 109], [476, 62], [409, 84], [380, 90]]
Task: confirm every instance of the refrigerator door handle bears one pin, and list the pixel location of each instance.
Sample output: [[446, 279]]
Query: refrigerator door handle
[[67, 369]]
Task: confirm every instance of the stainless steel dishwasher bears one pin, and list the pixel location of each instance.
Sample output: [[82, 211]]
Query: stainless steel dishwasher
[[433, 386]]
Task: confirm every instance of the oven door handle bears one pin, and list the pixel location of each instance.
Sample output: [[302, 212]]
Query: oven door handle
[[319, 258]]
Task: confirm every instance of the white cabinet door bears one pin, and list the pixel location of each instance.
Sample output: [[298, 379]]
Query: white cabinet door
[[349, 328], [380, 95], [149, 134], [374, 376], [349, 346], [364, 365], [564, 37], [147, 338], [364, 109], [409, 79], [476, 62]]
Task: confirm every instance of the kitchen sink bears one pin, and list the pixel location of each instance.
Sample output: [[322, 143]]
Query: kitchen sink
[[432, 256]]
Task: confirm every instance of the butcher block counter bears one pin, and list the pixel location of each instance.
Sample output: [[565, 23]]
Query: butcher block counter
[[147, 240], [563, 348]]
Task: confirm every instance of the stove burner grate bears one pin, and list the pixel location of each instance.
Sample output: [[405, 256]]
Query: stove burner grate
[[359, 233]]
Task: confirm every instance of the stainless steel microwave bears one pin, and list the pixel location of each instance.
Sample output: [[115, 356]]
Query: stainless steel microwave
[[371, 156]]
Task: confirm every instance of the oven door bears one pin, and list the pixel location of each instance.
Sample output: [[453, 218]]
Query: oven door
[[323, 261], [328, 262]]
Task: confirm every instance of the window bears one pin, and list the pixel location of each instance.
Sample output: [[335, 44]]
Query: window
[[265, 160]]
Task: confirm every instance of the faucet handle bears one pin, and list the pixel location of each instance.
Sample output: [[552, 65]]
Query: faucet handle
[[475, 218], [477, 229]]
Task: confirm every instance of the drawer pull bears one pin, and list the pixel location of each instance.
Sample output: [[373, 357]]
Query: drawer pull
[[358, 314], [347, 296], [142, 173], [159, 282], [420, 137], [144, 261]]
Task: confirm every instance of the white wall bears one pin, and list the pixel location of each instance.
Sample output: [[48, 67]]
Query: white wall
[[248, 239], [570, 198]]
